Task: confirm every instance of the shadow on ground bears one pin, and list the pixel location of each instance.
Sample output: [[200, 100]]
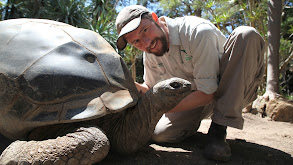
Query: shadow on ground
[[4, 142], [190, 152]]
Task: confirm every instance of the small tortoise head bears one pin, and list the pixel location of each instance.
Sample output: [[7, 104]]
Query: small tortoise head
[[170, 92]]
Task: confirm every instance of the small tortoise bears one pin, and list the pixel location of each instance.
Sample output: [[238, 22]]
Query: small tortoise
[[66, 95]]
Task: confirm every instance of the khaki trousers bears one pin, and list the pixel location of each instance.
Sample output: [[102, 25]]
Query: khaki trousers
[[241, 71]]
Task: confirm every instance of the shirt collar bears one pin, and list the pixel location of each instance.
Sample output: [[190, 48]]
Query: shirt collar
[[173, 31]]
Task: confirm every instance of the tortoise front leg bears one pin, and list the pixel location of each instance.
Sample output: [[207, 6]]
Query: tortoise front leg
[[84, 146]]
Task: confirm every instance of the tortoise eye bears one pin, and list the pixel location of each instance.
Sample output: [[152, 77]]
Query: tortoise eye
[[90, 58]]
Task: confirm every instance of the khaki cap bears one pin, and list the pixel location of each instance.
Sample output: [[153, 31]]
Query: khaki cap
[[128, 20]]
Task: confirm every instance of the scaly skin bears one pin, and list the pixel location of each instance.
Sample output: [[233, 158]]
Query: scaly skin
[[127, 131], [82, 147]]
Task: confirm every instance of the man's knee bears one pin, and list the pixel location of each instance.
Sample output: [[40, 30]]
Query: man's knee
[[246, 32]]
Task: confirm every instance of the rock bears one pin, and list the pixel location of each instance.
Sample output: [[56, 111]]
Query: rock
[[280, 110]]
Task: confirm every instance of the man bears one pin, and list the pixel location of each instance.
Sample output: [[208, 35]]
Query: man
[[224, 73]]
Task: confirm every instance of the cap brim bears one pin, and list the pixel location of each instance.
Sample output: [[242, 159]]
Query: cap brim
[[129, 27]]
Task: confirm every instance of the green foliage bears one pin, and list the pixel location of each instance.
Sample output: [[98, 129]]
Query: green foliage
[[219, 12], [286, 73], [97, 15], [1, 10], [105, 26], [15, 9], [72, 12], [133, 58], [289, 97], [102, 20], [287, 22], [68, 11], [225, 14], [286, 51]]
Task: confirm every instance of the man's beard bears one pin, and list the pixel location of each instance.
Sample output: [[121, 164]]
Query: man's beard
[[164, 43]]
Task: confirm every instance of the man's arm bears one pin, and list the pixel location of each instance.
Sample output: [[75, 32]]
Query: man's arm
[[142, 88], [194, 100]]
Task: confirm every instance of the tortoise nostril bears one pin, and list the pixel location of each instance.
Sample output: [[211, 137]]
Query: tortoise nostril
[[175, 85], [90, 58]]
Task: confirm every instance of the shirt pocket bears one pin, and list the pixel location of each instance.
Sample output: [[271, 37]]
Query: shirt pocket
[[159, 69], [186, 60]]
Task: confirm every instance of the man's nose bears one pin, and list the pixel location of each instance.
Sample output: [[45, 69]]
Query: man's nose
[[147, 41]]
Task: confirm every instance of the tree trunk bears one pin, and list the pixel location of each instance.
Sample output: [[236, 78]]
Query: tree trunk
[[274, 26], [6, 16], [133, 61], [272, 104], [198, 12], [37, 9], [251, 8], [133, 68]]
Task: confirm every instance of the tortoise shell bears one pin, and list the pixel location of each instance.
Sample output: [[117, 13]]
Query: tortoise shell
[[52, 72]]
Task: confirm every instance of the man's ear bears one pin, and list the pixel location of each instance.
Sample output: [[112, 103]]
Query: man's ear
[[155, 17]]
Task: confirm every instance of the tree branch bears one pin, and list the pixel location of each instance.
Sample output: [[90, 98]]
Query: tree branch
[[286, 62]]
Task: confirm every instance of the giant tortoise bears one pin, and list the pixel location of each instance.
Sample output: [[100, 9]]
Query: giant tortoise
[[66, 96]]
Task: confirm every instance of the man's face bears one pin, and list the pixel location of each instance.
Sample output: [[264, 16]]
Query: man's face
[[148, 37]]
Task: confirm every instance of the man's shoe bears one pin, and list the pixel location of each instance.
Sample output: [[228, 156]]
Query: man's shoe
[[217, 147]]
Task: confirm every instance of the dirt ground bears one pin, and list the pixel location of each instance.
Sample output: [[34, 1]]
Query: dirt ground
[[261, 142]]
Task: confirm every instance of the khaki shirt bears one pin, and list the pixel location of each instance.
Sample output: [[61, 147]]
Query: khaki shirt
[[195, 49]]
